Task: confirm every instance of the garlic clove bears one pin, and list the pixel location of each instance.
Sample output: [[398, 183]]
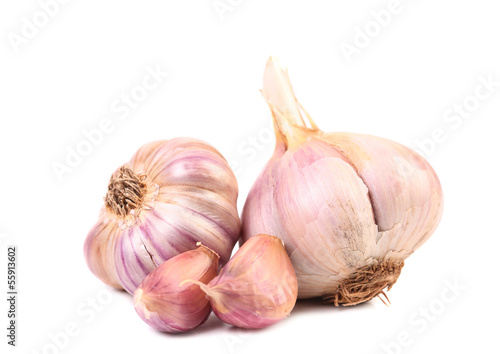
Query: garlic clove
[[257, 287], [169, 304]]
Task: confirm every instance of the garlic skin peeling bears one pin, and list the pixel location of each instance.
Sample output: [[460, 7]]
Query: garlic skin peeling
[[257, 287], [166, 305], [349, 207], [170, 195]]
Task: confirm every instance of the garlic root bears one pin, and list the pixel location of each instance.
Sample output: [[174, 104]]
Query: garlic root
[[366, 283]]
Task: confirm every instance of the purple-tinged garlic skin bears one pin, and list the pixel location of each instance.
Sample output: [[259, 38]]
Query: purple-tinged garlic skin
[[172, 194], [257, 287], [349, 207], [167, 304]]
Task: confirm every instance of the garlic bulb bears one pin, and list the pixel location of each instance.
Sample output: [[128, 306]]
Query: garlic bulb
[[172, 194], [166, 305], [257, 287], [350, 208]]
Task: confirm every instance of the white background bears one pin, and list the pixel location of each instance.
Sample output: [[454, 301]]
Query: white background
[[427, 59]]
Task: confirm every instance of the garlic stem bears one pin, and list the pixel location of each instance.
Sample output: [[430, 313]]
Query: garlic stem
[[287, 111], [278, 93]]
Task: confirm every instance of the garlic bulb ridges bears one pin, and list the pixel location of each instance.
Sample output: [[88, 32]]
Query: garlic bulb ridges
[[350, 207], [171, 194]]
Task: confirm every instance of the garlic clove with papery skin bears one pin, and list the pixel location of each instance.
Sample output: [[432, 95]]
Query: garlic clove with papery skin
[[168, 305], [350, 207], [257, 287]]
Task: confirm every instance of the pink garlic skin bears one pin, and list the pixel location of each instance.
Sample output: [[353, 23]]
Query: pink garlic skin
[[257, 287], [315, 213], [191, 197], [405, 192], [339, 201], [166, 305]]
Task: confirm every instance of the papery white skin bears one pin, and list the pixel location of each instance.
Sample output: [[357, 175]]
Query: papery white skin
[[191, 196], [339, 201]]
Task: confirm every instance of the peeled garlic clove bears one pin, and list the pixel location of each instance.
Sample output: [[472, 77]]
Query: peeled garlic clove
[[166, 303], [171, 194], [257, 287], [350, 207]]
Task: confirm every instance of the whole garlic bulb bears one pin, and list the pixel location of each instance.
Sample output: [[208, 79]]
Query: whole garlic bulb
[[349, 207], [171, 195]]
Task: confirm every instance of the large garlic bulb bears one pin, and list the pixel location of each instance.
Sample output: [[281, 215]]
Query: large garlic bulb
[[350, 208], [171, 195]]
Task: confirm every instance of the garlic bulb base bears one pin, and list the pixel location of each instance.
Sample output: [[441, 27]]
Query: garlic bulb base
[[366, 283]]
